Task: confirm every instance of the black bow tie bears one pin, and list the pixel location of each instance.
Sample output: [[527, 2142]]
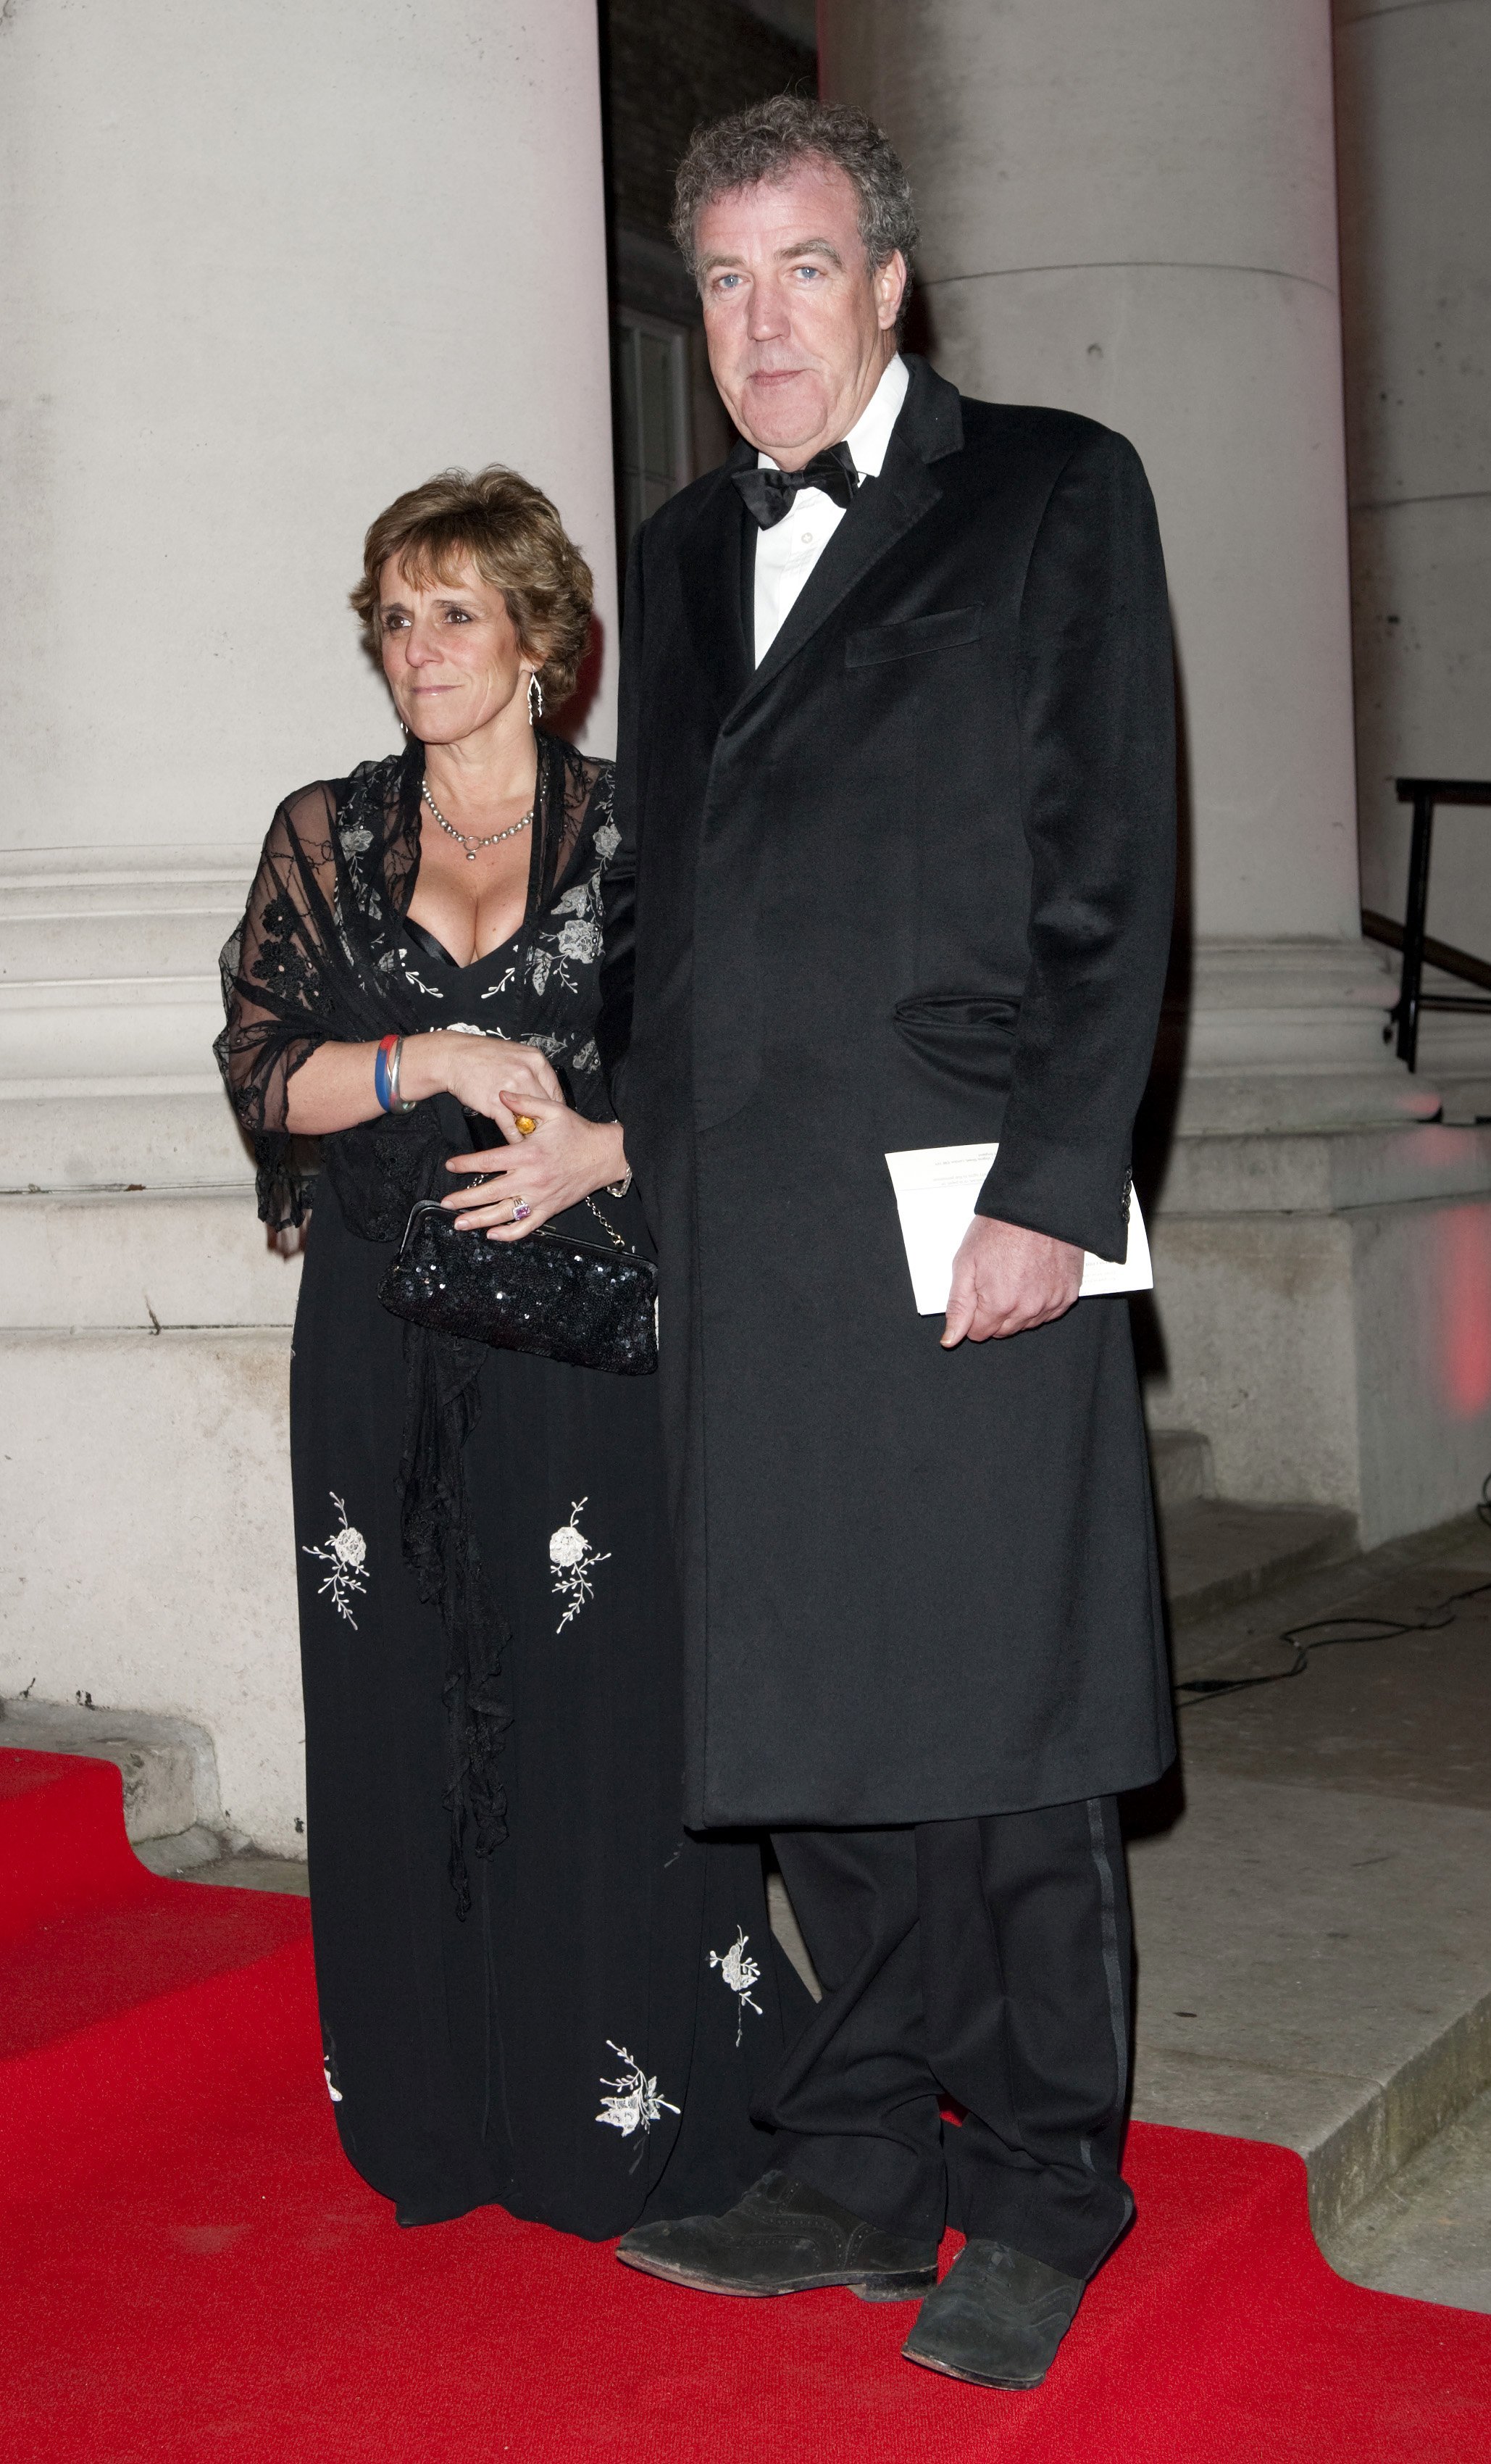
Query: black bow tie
[[769, 493]]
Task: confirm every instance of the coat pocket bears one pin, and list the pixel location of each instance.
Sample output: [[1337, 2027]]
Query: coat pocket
[[946, 630], [967, 1038]]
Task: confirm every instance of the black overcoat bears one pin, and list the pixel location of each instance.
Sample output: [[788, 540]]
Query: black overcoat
[[906, 883]]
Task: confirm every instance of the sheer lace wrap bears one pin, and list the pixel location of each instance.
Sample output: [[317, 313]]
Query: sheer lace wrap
[[321, 956]]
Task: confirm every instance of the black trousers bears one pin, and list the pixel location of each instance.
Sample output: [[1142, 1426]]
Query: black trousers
[[986, 1964]]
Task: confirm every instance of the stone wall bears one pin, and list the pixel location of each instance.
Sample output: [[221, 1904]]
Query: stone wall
[[1413, 101], [264, 268]]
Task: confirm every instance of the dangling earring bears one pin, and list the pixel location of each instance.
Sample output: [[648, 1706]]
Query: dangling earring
[[535, 698]]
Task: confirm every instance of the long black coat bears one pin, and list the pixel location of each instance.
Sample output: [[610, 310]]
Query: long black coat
[[907, 883]]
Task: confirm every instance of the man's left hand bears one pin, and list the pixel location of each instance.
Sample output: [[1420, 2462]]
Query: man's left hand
[[1007, 1279]]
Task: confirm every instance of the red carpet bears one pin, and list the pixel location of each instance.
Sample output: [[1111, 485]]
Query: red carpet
[[189, 2274]]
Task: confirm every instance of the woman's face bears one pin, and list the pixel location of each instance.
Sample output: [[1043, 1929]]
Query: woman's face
[[451, 652]]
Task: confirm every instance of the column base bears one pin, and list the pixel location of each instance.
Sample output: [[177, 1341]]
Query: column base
[[1454, 1053], [1324, 1315], [1287, 1035], [148, 1548]]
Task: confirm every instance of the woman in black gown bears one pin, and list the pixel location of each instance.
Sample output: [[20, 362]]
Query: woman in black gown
[[535, 1988]]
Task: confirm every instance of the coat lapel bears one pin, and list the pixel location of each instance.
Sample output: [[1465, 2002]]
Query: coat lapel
[[930, 426], [712, 583]]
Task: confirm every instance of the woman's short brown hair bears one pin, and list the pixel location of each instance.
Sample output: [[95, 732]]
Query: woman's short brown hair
[[517, 541]]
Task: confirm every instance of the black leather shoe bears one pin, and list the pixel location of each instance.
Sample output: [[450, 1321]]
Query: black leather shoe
[[996, 2319], [410, 2212], [782, 2238]]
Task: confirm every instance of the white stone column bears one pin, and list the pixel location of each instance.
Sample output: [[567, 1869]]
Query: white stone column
[[1413, 107], [263, 268], [1132, 212]]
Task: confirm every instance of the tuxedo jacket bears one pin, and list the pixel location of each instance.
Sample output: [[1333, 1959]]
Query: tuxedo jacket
[[906, 883]]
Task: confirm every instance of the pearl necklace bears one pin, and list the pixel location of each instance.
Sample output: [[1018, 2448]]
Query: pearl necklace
[[473, 846]]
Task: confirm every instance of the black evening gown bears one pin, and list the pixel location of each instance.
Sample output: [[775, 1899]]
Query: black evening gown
[[584, 2043]]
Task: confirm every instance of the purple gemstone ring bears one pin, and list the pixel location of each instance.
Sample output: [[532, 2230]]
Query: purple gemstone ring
[[521, 1210]]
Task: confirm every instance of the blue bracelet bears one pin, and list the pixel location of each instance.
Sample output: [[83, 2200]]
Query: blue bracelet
[[382, 1085]]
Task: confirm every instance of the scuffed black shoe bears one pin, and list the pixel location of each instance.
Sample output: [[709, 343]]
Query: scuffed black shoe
[[414, 2212], [782, 2238], [996, 2317]]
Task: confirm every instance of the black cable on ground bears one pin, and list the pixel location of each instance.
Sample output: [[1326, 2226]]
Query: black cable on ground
[[1209, 1689]]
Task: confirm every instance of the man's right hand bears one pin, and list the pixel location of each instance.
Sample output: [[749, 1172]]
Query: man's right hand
[[1005, 1279]]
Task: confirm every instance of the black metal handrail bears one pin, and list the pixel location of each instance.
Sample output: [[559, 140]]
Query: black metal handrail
[[1409, 937]]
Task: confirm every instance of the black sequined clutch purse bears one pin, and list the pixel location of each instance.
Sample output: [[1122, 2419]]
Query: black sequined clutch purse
[[563, 1299]]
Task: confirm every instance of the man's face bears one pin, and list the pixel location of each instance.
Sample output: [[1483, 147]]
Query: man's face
[[800, 325]]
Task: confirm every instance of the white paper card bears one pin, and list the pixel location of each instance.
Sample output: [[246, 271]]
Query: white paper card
[[934, 1192]]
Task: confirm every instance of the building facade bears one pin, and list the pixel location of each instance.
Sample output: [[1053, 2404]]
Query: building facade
[[261, 277]]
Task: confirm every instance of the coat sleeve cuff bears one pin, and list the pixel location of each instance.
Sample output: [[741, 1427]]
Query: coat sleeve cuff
[[1068, 1193]]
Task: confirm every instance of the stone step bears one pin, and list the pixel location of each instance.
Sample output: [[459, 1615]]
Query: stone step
[[1314, 1970], [176, 1854], [167, 1765], [201, 1855], [1215, 1553], [1180, 1460], [1312, 1884], [1426, 2231]]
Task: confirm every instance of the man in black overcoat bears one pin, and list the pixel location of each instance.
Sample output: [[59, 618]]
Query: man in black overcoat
[[896, 800]]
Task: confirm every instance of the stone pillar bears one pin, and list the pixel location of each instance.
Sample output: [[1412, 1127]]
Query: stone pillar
[[1413, 105], [1131, 212], [264, 268]]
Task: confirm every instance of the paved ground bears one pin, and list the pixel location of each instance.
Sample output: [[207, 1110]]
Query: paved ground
[[1402, 1717]]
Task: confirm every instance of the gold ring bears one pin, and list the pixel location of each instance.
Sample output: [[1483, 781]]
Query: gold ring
[[524, 1124]]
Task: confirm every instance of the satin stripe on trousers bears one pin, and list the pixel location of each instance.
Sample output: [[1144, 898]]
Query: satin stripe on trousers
[[985, 1964]]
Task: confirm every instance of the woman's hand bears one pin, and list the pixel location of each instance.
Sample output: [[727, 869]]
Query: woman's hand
[[337, 1087], [475, 1068], [552, 1165]]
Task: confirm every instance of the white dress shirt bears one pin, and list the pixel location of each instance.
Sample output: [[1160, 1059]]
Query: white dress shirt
[[786, 554]]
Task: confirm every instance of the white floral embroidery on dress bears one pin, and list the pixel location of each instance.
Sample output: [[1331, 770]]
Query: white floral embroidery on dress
[[419, 983], [332, 2089], [637, 2105], [580, 939], [345, 1553], [573, 1558], [544, 961], [739, 1971]]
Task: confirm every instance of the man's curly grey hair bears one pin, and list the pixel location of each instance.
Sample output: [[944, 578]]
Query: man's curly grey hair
[[768, 141]]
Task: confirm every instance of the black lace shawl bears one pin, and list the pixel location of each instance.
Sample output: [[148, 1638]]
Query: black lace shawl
[[318, 959]]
